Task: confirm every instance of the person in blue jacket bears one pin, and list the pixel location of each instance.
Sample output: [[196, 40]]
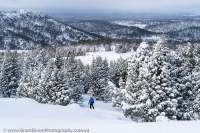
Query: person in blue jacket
[[91, 103]]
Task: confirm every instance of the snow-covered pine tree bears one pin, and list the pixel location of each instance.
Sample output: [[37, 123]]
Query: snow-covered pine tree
[[28, 79], [86, 79], [109, 92], [136, 100], [118, 94], [74, 73], [149, 89], [33, 65], [99, 78], [188, 81], [61, 81], [196, 83], [10, 74], [45, 84], [117, 70], [42, 57], [61, 90], [162, 94], [53, 86]]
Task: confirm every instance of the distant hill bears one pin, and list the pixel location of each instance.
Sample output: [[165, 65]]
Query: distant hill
[[27, 30], [111, 30]]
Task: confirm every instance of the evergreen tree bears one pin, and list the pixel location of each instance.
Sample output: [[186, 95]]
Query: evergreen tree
[[86, 79], [99, 78], [59, 91], [118, 94], [74, 73], [34, 64], [53, 86], [149, 90], [136, 98], [196, 82], [10, 74], [161, 92], [45, 84], [117, 70], [187, 81]]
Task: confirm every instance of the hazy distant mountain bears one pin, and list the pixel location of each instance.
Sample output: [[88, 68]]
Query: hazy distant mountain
[[111, 30], [178, 30], [174, 30], [27, 30]]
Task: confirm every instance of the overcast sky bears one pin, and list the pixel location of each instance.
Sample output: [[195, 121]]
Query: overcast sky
[[143, 6]]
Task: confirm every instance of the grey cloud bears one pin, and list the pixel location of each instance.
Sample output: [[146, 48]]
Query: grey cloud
[[106, 5]]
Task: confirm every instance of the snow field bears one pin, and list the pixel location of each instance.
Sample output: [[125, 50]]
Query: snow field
[[26, 113], [110, 56]]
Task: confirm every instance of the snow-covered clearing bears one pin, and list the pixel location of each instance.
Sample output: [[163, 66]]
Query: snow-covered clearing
[[130, 23], [26, 113], [110, 56]]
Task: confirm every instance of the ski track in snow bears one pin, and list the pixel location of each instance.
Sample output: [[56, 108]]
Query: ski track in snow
[[27, 113]]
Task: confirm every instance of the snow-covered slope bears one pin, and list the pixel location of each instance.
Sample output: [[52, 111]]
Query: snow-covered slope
[[26, 113]]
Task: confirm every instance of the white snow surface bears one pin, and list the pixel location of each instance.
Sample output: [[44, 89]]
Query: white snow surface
[[130, 23], [26, 113], [110, 56]]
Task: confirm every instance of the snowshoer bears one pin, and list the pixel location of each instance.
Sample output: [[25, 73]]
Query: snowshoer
[[91, 103]]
